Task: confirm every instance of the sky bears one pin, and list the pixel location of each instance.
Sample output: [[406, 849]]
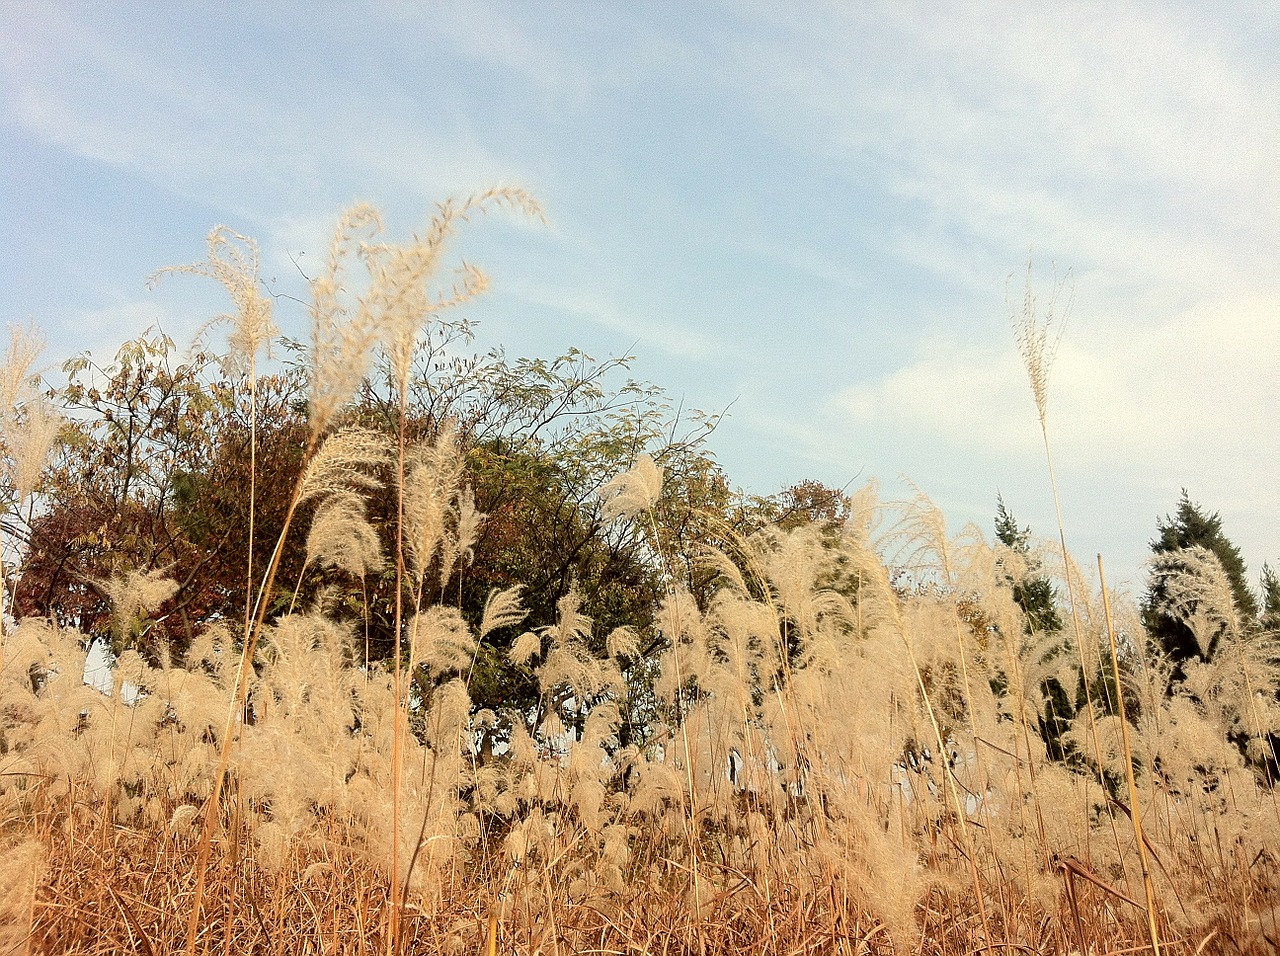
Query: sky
[[818, 216]]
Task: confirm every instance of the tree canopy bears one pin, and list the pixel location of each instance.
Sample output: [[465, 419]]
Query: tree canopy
[[1191, 527], [1032, 592], [153, 470]]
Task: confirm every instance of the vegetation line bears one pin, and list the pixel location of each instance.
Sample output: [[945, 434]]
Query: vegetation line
[[537, 679]]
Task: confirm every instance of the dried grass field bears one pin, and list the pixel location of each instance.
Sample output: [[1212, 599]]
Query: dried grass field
[[388, 659]]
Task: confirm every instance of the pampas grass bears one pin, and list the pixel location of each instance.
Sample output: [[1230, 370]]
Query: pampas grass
[[829, 788], [838, 749], [28, 430]]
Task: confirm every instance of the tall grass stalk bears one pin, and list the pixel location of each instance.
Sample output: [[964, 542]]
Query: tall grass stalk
[[636, 492], [1038, 339], [238, 272], [234, 262], [925, 531], [235, 710], [1135, 801], [775, 777], [402, 305], [958, 801]]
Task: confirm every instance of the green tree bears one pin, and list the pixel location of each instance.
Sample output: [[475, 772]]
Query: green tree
[[1190, 526], [1270, 586], [153, 473], [1036, 596], [1269, 620], [541, 438], [1033, 592]]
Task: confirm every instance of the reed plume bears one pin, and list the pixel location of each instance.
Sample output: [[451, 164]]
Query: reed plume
[[834, 748]]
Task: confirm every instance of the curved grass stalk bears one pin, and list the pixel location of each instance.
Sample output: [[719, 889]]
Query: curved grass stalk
[[244, 669]]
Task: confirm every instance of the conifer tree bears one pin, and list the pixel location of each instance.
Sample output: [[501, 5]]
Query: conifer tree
[[1190, 526], [1034, 593], [1270, 617]]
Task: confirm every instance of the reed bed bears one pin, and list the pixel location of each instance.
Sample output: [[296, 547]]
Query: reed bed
[[844, 752], [790, 798]]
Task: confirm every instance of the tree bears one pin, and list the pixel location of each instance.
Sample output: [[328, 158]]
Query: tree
[[1270, 617], [153, 472], [143, 435], [541, 438], [807, 502], [1032, 592], [1036, 596], [1191, 527]]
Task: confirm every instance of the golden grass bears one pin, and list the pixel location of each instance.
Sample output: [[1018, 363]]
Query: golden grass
[[566, 843], [838, 758], [130, 894]]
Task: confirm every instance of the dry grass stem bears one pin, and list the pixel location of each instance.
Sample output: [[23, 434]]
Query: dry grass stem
[[828, 737]]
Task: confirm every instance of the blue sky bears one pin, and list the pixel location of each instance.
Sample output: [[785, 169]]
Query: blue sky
[[810, 211]]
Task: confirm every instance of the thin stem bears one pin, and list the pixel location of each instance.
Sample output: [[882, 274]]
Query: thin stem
[[954, 790], [253, 487], [684, 737], [401, 717], [1076, 629], [1134, 803], [237, 702]]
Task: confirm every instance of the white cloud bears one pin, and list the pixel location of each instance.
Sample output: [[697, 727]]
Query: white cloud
[[1134, 143], [1130, 140], [1133, 418], [597, 308], [195, 128], [960, 396], [489, 34], [1146, 396]]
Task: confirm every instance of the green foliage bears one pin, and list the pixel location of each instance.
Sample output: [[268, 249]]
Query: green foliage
[[1037, 598], [1190, 527], [1032, 592], [540, 439], [153, 476], [1270, 587]]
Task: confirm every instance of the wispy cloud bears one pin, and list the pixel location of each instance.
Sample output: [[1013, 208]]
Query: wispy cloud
[[1135, 144], [1185, 403], [1203, 380], [680, 340], [1115, 138], [204, 131], [493, 36]]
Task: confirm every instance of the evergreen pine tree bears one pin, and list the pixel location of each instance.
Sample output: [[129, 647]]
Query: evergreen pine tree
[[1035, 595], [1270, 617], [1190, 526]]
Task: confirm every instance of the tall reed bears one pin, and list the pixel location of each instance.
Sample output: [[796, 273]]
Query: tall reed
[[1038, 336], [825, 754]]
